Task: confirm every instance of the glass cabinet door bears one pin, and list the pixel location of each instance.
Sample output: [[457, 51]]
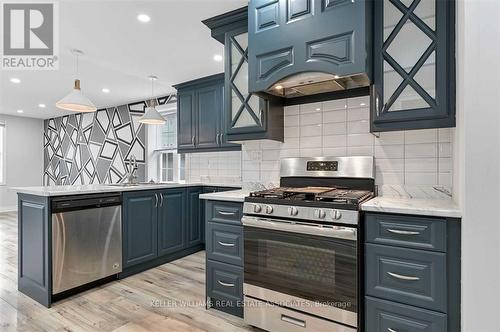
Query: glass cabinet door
[[244, 111], [412, 65]]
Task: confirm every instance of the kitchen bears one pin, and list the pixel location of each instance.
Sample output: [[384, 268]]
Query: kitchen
[[274, 165]]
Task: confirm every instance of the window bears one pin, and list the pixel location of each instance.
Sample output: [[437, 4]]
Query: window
[[171, 167], [2, 153], [170, 164]]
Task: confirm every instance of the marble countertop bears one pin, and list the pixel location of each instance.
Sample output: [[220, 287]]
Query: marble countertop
[[230, 196], [105, 188], [424, 200]]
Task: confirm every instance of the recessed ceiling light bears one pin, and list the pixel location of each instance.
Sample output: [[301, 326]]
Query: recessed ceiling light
[[278, 87], [218, 58], [20, 111], [143, 18], [42, 105], [15, 80], [336, 76], [318, 109], [106, 90], [362, 104]]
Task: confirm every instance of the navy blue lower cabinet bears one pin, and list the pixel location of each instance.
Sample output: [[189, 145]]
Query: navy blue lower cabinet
[[387, 316], [412, 273], [195, 227], [171, 221], [140, 222], [224, 240]]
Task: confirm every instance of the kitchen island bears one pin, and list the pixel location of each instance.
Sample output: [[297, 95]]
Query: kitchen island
[[158, 223]]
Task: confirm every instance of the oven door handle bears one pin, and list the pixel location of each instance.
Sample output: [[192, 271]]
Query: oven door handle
[[340, 232]]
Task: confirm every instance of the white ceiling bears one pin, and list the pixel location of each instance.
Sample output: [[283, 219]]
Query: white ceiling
[[120, 52]]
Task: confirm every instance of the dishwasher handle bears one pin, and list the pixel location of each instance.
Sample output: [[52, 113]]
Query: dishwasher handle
[[81, 202]]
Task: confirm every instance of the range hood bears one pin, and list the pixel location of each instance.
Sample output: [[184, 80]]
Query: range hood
[[297, 48], [311, 83]]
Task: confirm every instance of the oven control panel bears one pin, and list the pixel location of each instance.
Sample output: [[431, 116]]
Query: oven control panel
[[331, 166]]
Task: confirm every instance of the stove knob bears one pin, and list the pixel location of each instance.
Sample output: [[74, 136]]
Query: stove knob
[[269, 209], [319, 214], [292, 210], [257, 208], [336, 214]]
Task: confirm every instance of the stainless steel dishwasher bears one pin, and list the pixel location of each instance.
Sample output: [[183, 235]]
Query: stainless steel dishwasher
[[86, 239]]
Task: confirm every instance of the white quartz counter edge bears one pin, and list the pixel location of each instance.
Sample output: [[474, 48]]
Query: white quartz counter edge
[[104, 188], [416, 206], [228, 196]]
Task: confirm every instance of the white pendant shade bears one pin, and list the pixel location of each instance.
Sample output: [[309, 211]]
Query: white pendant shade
[[152, 117], [75, 101]]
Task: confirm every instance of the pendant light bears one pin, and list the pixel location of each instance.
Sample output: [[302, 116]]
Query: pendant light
[[75, 101], [151, 115]]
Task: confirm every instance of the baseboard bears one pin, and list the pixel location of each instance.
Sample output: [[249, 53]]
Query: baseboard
[[8, 208]]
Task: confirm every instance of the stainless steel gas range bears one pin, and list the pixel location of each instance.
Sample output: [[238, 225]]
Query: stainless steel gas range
[[301, 246]]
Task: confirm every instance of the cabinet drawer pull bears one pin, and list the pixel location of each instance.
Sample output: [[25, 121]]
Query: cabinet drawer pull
[[400, 232], [402, 277], [294, 321], [225, 244], [225, 284], [391, 330], [226, 213]]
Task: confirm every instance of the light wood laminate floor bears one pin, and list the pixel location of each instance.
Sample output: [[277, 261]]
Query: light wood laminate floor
[[167, 298]]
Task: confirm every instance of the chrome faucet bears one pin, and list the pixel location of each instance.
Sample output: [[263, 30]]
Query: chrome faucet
[[132, 169]]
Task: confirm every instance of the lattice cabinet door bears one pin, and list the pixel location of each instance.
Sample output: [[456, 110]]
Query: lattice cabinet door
[[245, 112], [414, 64]]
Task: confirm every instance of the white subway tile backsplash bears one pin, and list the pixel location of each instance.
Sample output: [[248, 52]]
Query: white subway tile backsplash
[[334, 116], [358, 114], [360, 139], [339, 104], [334, 128], [421, 165], [358, 127], [310, 118], [291, 120], [421, 136], [428, 150], [389, 151], [310, 108], [339, 128]]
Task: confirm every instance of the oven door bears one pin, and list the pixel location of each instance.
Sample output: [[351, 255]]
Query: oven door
[[307, 267]]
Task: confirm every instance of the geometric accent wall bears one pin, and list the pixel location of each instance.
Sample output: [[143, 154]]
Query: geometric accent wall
[[92, 148]]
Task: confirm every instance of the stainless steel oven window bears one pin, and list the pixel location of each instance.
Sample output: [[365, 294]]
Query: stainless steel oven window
[[314, 268]]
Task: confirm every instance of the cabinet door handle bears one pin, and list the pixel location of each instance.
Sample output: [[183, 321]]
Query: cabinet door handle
[[401, 232], [161, 200], [377, 106], [294, 321], [225, 284], [156, 200], [192, 140], [402, 277], [391, 330], [220, 138], [217, 139], [226, 213], [225, 244]]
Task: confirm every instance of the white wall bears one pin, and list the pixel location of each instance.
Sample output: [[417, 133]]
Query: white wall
[[24, 157], [479, 161]]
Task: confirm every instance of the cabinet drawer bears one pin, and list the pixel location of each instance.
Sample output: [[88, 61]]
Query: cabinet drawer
[[225, 243], [225, 286], [386, 316], [225, 212], [408, 276], [406, 231]]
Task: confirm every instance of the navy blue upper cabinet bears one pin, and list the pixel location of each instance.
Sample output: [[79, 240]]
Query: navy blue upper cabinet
[[200, 115], [246, 115], [414, 65], [289, 37]]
